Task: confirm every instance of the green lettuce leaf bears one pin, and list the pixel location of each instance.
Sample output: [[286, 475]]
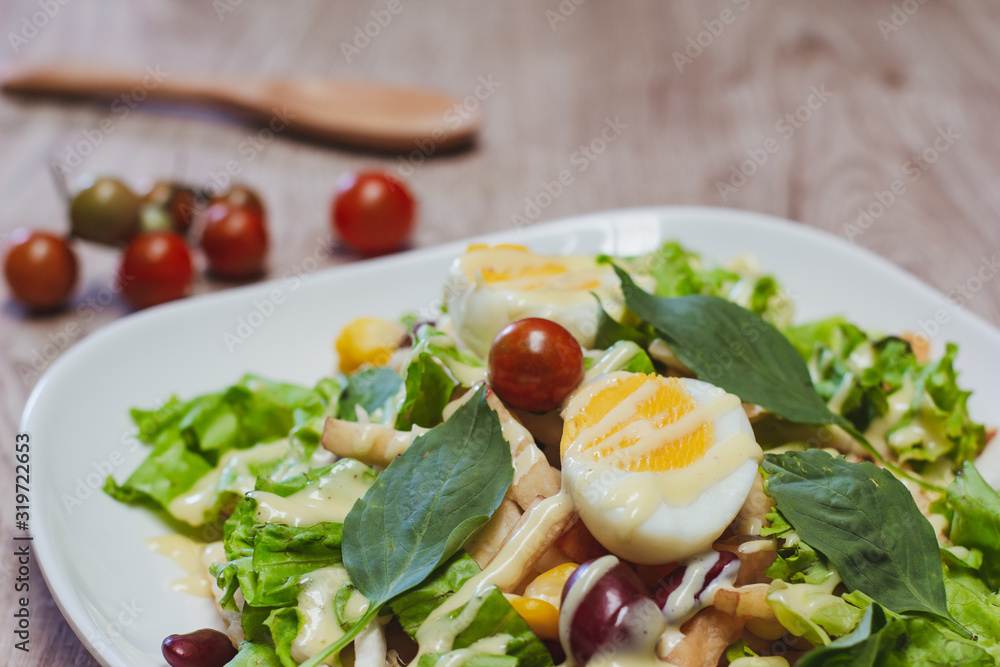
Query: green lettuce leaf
[[897, 642], [975, 606], [974, 509], [796, 562], [413, 608], [812, 611], [428, 390], [192, 439], [255, 655], [495, 616], [370, 389]]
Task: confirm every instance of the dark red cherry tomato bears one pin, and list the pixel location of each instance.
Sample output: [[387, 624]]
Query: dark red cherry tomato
[[235, 241], [373, 212], [241, 196], [40, 268], [156, 268], [535, 364]]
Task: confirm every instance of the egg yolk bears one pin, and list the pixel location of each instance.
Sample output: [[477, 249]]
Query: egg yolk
[[602, 426]]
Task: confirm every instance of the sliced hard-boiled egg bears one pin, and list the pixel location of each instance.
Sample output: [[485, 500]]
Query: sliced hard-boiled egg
[[492, 286], [657, 467]]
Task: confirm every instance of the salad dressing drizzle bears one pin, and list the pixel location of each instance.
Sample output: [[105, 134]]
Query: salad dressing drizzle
[[319, 626], [234, 467], [328, 500], [187, 554], [438, 632]]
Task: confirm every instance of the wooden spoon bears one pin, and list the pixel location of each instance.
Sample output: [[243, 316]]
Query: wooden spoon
[[365, 115]]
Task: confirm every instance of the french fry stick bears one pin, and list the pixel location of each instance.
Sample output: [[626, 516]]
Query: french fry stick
[[485, 544], [706, 637], [530, 540], [533, 476], [372, 444], [744, 601]]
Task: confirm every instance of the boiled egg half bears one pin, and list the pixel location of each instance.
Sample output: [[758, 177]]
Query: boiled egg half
[[657, 467], [491, 286]]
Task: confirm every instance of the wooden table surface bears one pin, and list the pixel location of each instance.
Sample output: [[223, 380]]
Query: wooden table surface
[[834, 101]]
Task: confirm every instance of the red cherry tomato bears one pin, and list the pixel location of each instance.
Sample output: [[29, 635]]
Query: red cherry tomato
[[41, 269], [373, 212], [156, 268], [235, 241], [243, 196], [535, 364]]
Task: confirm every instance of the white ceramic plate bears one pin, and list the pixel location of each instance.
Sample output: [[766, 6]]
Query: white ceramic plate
[[115, 593]]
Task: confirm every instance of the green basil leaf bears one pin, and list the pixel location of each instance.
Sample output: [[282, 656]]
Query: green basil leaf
[[610, 331], [370, 388], [866, 523], [423, 507], [734, 349], [429, 500], [975, 521]]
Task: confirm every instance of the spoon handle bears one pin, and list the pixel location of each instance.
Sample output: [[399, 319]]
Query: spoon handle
[[72, 81]]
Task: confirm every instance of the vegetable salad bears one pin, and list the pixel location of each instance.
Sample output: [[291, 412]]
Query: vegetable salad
[[591, 461]]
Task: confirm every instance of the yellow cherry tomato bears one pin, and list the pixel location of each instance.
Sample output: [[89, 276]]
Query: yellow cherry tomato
[[368, 341]]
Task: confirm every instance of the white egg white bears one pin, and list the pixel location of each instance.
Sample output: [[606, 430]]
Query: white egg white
[[663, 517], [479, 309]]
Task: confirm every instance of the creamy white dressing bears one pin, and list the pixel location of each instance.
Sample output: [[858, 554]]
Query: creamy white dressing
[[328, 499], [374, 444], [233, 472], [503, 572], [899, 404], [760, 661], [578, 591], [836, 402], [437, 633], [319, 626], [495, 645], [688, 598], [189, 557]]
